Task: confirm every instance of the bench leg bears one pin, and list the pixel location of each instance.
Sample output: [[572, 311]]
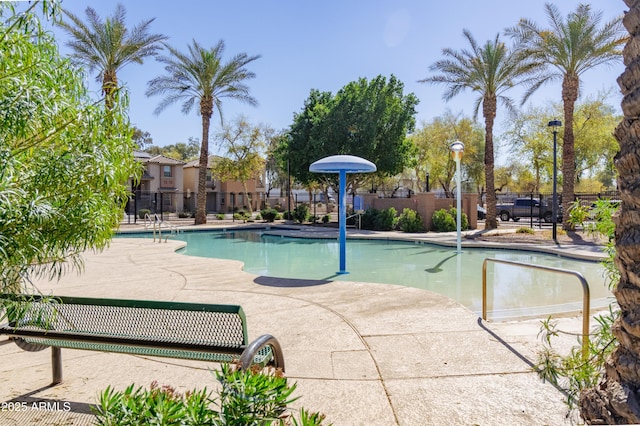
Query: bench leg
[[56, 364]]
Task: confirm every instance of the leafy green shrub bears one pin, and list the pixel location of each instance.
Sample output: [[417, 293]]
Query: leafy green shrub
[[287, 215], [525, 230], [410, 221], [241, 215], [184, 214], [387, 220], [379, 220], [445, 220], [269, 215], [220, 216], [578, 214], [244, 398], [326, 218], [301, 213], [277, 208], [368, 220], [143, 212]]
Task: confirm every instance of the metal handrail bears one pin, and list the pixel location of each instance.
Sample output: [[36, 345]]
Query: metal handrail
[[359, 219], [159, 224], [586, 298]]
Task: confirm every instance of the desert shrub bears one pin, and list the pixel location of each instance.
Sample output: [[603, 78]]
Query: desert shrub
[[241, 215], [445, 220], [326, 218], [387, 219], [220, 216], [143, 212], [244, 398], [379, 220], [277, 208], [269, 215], [287, 215], [525, 230], [410, 221], [301, 213], [578, 214], [369, 218]]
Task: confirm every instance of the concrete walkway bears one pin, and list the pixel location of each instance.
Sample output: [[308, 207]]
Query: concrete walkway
[[363, 354]]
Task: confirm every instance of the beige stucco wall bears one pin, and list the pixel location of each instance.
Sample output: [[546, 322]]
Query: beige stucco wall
[[425, 204]]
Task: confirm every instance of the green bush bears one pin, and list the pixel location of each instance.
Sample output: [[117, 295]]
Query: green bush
[[220, 216], [380, 220], [287, 215], [410, 221], [445, 220], [387, 219], [301, 213], [184, 214], [269, 215], [326, 218], [578, 214], [244, 398], [143, 212], [241, 215]]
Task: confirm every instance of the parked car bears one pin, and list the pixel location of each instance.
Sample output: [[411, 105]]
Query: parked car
[[527, 207], [482, 212]]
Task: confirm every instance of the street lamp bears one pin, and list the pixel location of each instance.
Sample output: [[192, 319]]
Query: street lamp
[[554, 208], [457, 148]]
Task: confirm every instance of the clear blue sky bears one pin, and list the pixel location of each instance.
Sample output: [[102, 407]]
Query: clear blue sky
[[324, 45]]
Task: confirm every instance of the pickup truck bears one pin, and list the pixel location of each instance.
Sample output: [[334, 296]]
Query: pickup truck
[[527, 207]]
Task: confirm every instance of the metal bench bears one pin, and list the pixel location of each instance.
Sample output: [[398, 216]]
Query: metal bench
[[206, 332]]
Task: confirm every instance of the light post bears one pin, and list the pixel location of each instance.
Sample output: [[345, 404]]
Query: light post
[[457, 148], [427, 182], [554, 208]]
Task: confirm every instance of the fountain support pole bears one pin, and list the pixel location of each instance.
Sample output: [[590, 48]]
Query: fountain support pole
[[342, 164]]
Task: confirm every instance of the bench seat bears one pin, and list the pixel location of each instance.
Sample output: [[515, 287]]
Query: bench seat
[[205, 332]]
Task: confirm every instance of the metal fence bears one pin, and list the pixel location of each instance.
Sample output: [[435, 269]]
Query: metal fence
[[184, 204]]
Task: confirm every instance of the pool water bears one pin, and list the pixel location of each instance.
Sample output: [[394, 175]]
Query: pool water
[[511, 291]]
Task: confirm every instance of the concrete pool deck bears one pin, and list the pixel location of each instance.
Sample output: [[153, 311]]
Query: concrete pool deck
[[363, 354]]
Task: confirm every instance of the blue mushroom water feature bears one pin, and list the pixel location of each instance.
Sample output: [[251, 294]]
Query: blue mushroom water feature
[[342, 164]]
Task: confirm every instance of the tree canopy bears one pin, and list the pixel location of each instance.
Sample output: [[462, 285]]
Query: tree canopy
[[64, 161], [369, 119]]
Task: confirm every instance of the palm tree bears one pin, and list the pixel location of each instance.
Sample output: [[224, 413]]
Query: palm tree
[[615, 399], [569, 48], [107, 46], [490, 70], [201, 76]]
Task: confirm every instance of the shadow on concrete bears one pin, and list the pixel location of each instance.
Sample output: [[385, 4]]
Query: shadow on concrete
[[288, 282]]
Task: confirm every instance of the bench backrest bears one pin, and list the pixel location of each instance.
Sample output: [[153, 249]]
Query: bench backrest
[[188, 323]]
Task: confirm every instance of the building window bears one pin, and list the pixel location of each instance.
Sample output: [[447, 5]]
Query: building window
[[166, 171], [208, 175]]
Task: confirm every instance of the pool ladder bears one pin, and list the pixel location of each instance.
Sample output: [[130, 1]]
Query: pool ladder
[[157, 225]]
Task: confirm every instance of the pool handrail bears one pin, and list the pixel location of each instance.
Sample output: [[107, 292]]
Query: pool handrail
[[586, 298]]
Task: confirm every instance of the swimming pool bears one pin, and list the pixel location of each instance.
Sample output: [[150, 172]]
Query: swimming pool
[[511, 291]]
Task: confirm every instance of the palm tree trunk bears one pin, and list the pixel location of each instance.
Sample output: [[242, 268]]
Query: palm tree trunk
[[489, 113], [616, 399], [206, 110], [570, 86], [109, 87]]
